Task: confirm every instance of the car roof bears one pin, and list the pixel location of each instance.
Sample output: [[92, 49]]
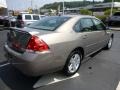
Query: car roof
[[81, 16], [73, 16], [29, 14]]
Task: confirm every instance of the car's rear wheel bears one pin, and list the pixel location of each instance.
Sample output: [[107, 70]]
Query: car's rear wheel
[[73, 63], [109, 45]]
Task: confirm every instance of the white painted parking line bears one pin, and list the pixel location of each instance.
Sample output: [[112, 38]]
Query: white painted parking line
[[118, 87], [52, 78], [3, 65]]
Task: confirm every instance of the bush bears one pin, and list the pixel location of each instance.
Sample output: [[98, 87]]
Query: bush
[[102, 18], [85, 12], [108, 11]]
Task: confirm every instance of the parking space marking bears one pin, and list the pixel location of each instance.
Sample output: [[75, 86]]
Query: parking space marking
[[118, 87], [53, 78]]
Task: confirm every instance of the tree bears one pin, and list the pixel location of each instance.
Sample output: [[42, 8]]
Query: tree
[[85, 12], [111, 0], [73, 4]]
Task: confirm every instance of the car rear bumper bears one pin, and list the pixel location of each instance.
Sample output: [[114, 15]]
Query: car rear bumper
[[31, 63]]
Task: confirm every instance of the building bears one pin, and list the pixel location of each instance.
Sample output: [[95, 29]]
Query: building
[[3, 8], [96, 7]]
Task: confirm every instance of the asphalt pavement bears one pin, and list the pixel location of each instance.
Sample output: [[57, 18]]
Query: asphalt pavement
[[3, 38], [100, 72]]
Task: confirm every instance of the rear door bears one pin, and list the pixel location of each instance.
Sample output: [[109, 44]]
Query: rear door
[[101, 32], [89, 37]]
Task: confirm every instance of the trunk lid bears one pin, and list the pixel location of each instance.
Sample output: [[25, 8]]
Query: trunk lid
[[18, 38]]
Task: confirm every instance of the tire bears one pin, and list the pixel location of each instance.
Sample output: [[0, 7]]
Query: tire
[[70, 67], [109, 44]]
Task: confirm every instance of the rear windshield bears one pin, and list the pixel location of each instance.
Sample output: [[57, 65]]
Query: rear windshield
[[49, 23], [28, 17], [117, 14], [36, 17]]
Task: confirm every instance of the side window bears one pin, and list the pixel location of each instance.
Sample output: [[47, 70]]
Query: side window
[[86, 25], [36, 17], [77, 27], [28, 17], [98, 24]]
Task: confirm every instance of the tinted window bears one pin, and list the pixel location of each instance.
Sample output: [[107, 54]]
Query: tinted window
[[28, 17], [117, 14], [36, 17], [86, 25], [98, 24], [49, 23]]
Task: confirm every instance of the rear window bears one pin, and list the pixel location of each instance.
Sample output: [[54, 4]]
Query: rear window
[[36, 17], [117, 14], [28, 17], [49, 23]]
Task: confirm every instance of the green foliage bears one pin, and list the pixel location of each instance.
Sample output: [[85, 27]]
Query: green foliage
[[73, 4], [106, 14], [108, 11], [85, 12], [111, 0], [103, 17]]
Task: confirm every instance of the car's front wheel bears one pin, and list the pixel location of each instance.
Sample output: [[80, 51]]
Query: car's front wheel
[[73, 63]]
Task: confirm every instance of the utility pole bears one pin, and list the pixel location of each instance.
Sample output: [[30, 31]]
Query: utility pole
[[84, 3], [58, 10], [93, 8], [63, 7], [31, 4], [112, 6]]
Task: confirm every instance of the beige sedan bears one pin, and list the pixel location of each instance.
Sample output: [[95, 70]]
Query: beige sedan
[[56, 43]]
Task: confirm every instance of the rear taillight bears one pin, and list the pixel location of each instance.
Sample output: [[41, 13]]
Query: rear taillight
[[37, 44]]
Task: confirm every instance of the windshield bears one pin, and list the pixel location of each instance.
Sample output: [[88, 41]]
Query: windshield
[[49, 23], [117, 14]]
